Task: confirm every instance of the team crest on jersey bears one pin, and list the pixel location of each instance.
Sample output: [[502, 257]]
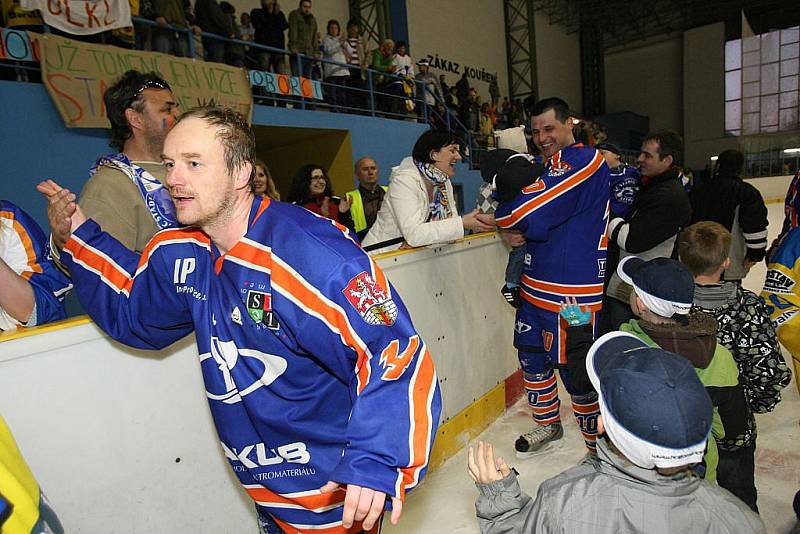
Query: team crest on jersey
[[559, 168], [371, 301], [779, 283], [547, 339], [259, 308]]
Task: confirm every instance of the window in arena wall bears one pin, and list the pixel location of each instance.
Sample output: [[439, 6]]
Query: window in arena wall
[[761, 83]]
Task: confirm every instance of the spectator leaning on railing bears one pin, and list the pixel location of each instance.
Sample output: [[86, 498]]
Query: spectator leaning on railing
[[212, 19], [177, 14], [303, 39]]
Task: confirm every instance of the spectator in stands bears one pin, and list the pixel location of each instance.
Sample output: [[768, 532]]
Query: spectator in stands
[[335, 75], [625, 179], [212, 19], [651, 227], [269, 23], [170, 14], [33, 289], [782, 294], [443, 84], [469, 113], [311, 188], [263, 184], [125, 194], [366, 200], [234, 52], [428, 84], [246, 29], [486, 126], [494, 91], [662, 298], [739, 207], [462, 88], [303, 39], [383, 62], [402, 88], [419, 208], [744, 328], [654, 421], [357, 59], [403, 64]]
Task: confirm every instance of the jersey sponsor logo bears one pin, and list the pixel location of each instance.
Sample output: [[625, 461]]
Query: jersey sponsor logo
[[259, 308], [559, 168], [236, 316], [601, 268], [784, 317], [547, 340], [395, 362], [528, 260], [259, 371], [521, 328], [370, 300], [258, 455], [778, 282], [183, 268]]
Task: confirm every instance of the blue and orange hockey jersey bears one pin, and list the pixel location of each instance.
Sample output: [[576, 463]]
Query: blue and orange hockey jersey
[[563, 216], [313, 369], [24, 248]]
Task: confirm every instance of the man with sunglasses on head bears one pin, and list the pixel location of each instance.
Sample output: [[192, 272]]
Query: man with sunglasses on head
[[125, 193]]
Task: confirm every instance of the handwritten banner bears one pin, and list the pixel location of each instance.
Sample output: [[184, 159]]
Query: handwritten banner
[[16, 46], [286, 85], [77, 74], [83, 17]]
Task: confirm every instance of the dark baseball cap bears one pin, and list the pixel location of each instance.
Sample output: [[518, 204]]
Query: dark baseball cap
[[655, 409], [665, 285]]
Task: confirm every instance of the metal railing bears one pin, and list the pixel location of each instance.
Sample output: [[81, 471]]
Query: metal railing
[[376, 94]]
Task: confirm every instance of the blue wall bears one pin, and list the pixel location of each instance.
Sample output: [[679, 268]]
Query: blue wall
[[36, 144]]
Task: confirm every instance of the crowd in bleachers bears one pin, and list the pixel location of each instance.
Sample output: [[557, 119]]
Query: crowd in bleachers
[[671, 276]]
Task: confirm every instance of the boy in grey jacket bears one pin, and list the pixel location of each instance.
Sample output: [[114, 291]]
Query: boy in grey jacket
[[655, 417]]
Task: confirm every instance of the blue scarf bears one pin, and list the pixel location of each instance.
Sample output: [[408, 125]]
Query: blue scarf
[[440, 207], [155, 195]]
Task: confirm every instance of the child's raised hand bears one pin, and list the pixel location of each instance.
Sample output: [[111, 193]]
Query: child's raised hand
[[574, 314], [482, 466]]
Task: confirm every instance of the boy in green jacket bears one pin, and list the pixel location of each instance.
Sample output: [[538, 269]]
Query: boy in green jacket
[[662, 296]]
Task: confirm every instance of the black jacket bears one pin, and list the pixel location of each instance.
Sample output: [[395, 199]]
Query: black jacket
[[718, 199], [269, 27], [659, 211]]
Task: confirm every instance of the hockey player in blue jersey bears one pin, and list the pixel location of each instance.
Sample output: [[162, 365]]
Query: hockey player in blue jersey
[[563, 216], [32, 289], [314, 373]]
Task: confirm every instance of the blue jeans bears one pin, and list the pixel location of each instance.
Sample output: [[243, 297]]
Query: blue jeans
[[516, 264]]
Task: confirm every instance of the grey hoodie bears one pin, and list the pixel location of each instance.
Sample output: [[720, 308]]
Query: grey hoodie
[[609, 495]]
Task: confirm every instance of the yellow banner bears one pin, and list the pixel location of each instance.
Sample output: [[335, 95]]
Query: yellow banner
[[77, 74]]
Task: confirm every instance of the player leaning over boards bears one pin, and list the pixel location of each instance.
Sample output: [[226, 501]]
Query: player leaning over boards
[[563, 217], [309, 364]]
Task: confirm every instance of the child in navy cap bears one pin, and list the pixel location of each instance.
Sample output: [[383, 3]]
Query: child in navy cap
[[662, 297], [656, 416]]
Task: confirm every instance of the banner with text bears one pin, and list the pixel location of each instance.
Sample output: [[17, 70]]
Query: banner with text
[[77, 74], [82, 17], [15, 46], [286, 85]]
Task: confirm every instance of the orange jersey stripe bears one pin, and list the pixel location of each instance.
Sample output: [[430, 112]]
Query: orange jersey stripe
[[296, 289], [27, 244], [313, 501], [535, 203], [563, 289], [91, 258], [422, 386]]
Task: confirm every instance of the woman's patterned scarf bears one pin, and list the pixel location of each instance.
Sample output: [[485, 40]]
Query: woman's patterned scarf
[[440, 207]]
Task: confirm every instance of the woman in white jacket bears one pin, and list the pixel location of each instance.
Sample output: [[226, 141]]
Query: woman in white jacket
[[335, 75], [419, 205]]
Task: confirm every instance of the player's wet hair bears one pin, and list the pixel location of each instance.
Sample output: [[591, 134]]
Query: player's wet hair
[[433, 141], [127, 93], [237, 137]]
